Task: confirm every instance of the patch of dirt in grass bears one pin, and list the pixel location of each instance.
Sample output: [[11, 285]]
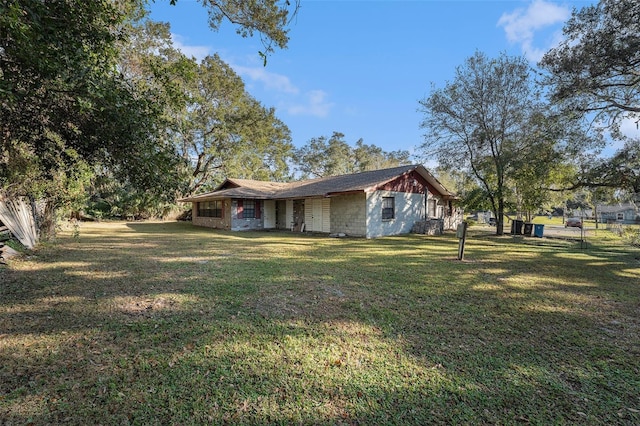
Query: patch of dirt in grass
[[313, 299], [138, 307]]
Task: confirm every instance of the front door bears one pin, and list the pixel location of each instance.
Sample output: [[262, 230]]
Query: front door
[[317, 215], [269, 214]]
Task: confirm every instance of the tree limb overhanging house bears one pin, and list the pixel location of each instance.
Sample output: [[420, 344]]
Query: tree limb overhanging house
[[368, 204]]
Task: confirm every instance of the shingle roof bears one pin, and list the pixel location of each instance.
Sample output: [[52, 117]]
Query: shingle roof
[[616, 208], [258, 185], [344, 183], [365, 181]]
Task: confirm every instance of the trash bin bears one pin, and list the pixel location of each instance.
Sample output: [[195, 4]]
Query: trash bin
[[538, 231], [516, 227], [528, 229]]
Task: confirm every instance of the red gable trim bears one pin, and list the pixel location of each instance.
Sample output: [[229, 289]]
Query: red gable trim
[[411, 182]]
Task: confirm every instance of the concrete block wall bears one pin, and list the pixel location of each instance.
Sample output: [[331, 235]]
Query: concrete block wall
[[348, 214]]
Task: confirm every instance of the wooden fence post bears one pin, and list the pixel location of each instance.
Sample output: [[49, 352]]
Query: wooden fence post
[[461, 233]]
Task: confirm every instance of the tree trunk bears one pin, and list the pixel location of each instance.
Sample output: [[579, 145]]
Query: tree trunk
[[500, 217], [44, 213]]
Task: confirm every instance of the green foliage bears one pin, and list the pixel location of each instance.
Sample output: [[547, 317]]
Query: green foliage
[[322, 157], [476, 199], [67, 107], [92, 85], [113, 198], [472, 196], [621, 171], [545, 160], [267, 17], [476, 122], [593, 73], [595, 69], [491, 123], [371, 157], [223, 131]]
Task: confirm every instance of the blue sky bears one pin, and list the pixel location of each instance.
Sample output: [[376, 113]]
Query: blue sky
[[360, 67]]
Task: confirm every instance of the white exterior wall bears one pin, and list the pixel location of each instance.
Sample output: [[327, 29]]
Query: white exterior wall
[[628, 215], [289, 210], [308, 214], [269, 218], [409, 208], [326, 215]]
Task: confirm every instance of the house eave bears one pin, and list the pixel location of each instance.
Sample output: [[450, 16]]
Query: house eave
[[314, 188]]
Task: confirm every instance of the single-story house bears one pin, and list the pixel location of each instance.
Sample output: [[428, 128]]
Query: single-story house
[[369, 204], [626, 213]]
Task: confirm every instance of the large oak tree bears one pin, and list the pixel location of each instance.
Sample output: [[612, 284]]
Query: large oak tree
[[596, 69], [595, 73], [223, 131], [67, 104], [64, 106], [490, 122]]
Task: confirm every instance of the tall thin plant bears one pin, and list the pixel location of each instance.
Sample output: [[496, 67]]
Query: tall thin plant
[[17, 216]]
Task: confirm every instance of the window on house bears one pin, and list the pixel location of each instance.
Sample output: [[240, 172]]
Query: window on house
[[620, 216], [210, 208], [432, 208], [388, 208], [248, 209]]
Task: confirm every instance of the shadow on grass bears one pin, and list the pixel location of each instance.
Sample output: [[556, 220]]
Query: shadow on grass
[[169, 323]]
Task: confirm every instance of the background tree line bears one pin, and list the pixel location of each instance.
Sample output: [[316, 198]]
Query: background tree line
[[99, 111]]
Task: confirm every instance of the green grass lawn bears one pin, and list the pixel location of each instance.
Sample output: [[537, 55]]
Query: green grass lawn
[[166, 323]]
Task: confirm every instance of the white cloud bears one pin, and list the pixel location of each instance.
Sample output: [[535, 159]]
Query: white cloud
[[521, 26], [198, 52], [314, 103], [309, 103], [271, 81]]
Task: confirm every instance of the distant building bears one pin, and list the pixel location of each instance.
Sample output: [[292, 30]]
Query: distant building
[[626, 213]]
